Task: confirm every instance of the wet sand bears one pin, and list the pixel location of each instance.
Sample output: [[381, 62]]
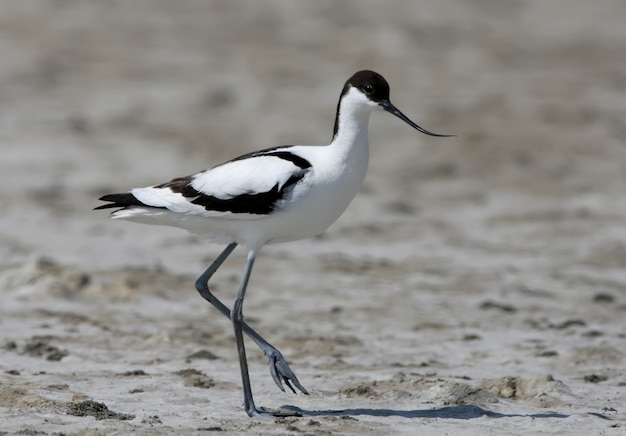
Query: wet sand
[[476, 285]]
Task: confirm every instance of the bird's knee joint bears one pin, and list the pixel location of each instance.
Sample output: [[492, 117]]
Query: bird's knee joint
[[202, 285]]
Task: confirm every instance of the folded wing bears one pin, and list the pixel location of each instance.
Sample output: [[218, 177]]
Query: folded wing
[[247, 187]]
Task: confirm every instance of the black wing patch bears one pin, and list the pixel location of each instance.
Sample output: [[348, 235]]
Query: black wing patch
[[261, 203], [120, 200], [298, 161]]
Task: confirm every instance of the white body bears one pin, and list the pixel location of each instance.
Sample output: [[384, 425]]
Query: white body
[[308, 208]]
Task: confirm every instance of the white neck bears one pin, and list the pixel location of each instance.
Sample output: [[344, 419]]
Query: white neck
[[353, 114]]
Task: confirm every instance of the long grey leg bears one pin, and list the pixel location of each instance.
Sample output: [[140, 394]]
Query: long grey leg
[[236, 316], [278, 365]]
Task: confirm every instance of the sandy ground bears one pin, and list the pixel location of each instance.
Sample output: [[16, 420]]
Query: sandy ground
[[477, 285]]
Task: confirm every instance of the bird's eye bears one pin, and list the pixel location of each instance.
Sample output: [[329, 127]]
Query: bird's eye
[[368, 88]]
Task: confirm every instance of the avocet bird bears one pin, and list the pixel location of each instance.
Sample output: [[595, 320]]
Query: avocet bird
[[274, 195]]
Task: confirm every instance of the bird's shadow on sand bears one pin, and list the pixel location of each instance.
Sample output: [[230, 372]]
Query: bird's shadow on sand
[[466, 411]]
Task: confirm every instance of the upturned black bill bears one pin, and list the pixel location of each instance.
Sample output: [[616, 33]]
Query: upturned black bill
[[395, 111]]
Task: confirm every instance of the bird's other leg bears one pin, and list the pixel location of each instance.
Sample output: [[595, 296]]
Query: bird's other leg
[[279, 369], [236, 315]]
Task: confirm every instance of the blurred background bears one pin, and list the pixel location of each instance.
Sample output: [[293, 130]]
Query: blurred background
[[498, 252], [98, 97]]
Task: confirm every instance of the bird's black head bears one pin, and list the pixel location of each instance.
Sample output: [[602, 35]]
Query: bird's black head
[[370, 83]]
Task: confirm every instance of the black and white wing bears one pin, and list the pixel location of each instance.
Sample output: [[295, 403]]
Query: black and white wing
[[247, 187]]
